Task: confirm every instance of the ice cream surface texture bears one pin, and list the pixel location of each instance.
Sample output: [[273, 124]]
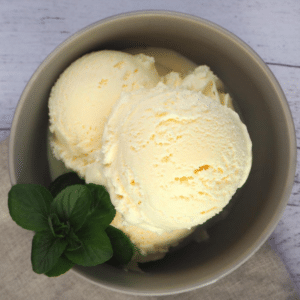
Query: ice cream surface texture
[[168, 146], [82, 98], [172, 157]]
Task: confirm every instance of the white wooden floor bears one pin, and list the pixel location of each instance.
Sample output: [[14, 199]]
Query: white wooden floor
[[31, 29]]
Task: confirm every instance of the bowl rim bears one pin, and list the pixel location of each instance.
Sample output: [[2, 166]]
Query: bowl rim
[[273, 82]]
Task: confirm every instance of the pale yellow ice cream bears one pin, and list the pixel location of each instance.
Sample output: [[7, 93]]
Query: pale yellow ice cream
[[82, 98], [172, 157], [202, 79], [172, 153], [152, 246]]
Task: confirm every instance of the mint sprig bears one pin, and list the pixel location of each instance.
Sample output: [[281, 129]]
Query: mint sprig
[[71, 205], [96, 247], [72, 224]]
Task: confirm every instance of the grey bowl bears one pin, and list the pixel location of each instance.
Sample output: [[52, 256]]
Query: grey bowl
[[260, 202]]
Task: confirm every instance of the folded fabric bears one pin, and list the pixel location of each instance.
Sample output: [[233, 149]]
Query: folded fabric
[[263, 276]]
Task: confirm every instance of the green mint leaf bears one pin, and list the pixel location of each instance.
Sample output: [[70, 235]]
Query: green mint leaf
[[74, 242], [96, 247], [72, 205], [29, 206], [102, 211], [122, 246], [63, 181], [58, 228], [46, 250], [62, 266]]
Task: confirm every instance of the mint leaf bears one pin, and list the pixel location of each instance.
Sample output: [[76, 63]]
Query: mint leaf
[[122, 246], [58, 228], [96, 247], [46, 250], [63, 181], [62, 266], [72, 205], [73, 241], [102, 211], [29, 206]]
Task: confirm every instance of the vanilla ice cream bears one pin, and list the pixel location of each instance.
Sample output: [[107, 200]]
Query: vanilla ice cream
[[172, 157], [152, 246], [202, 79], [82, 98], [169, 148]]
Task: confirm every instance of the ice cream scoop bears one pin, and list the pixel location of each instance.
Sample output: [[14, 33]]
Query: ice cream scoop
[[82, 98], [173, 157]]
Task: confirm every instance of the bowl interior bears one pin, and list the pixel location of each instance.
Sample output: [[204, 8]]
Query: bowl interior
[[259, 203]]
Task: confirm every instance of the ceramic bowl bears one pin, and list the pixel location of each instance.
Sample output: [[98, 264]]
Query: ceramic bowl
[[262, 105]]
